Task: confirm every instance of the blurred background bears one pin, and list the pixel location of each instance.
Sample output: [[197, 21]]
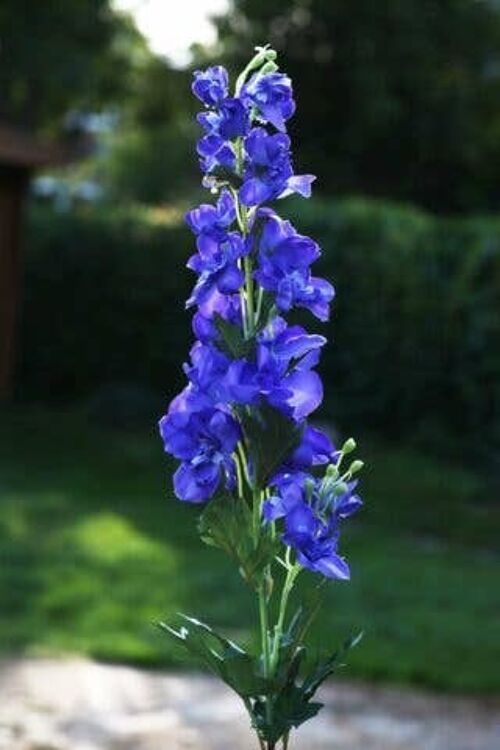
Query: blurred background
[[399, 116]]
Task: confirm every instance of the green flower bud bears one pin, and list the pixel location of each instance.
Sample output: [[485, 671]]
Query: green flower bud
[[340, 489], [349, 446], [331, 471], [265, 53], [269, 67], [356, 466]]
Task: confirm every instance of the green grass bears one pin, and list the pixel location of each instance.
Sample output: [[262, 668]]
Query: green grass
[[93, 550]]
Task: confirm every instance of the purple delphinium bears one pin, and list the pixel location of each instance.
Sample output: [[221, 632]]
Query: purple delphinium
[[244, 250], [312, 510], [202, 438], [276, 484], [271, 94], [268, 169], [284, 261], [211, 85]]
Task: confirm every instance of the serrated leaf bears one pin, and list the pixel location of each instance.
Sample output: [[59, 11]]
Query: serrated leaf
[[271, 437]]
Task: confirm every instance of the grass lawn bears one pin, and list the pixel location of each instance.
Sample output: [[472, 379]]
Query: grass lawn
[[94, 549]]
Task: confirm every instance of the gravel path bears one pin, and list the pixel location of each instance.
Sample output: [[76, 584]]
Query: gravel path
[[82, 705]]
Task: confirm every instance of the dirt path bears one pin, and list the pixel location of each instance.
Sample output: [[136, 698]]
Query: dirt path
[[82, 705]]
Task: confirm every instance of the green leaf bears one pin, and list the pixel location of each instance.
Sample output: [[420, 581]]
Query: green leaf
[[228, 660], [271, 437], [286, 695], [326, 668], [290, 697], [232, 340], [226, 523]]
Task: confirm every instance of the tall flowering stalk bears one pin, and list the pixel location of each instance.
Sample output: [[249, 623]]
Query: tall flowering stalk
[[273, 490]]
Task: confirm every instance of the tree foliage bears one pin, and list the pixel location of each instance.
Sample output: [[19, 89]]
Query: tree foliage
[[398, 99], [59, 55]]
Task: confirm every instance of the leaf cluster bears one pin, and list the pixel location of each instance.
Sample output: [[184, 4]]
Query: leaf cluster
[[277, 703], [226, 523]]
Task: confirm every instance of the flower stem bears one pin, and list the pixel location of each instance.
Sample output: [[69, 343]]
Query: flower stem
[[263, 603], [244, 464], [249, 296], [264, 630], [239, 476], [291, 575]]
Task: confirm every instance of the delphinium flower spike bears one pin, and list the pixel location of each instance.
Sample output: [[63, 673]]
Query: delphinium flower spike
[[273, 489]]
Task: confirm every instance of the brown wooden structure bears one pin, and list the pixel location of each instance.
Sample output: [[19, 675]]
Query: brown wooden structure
[[20, 155]]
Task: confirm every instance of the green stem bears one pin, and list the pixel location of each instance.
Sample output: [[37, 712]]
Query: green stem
[[257, 501], [244, 465], [239, 476], [263, 601], [291, 575], [263, 54], [249, 295], [264, 630]]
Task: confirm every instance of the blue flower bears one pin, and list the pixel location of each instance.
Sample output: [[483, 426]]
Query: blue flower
[[226, 306], [315, 543], [272, 96], [207, 370], [211, 85], [269, 172], [285, 356], [203, 439], [313, 509], [215, 154], [217, 265], [213, 220], [230, 121], [281, 372], [210, 223], [284, 259], [315, 448]]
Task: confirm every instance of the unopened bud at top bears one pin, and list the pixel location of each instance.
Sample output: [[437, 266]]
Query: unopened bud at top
[[269, 67]]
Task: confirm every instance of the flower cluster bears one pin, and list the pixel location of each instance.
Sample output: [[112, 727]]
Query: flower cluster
[[252, 268], [273, 489]]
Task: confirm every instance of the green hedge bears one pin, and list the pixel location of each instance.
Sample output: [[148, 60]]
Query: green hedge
[[415, 331]]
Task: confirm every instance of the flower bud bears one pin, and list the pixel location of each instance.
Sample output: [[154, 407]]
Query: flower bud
[[356, 466], [340, 489], [349, 446], [264, 54], [269, 67], [331, 471]]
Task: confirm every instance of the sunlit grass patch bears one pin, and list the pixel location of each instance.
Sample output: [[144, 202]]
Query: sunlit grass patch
[[94, 550]]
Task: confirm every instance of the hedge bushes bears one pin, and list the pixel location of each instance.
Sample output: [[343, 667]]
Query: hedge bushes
[[415, 330]]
